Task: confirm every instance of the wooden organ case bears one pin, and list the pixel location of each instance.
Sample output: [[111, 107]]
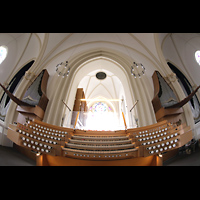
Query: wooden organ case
[[79, 107], [34, 101], [165, 103]]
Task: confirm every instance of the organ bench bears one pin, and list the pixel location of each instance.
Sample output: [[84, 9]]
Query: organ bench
[[66, 146]]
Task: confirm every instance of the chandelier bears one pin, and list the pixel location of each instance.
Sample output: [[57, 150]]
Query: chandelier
[[63, 69], [137, 70]]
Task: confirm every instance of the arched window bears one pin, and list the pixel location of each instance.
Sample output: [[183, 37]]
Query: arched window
[[100, 107], [5, 99], [197, 56], [3, 53], [187, 88]]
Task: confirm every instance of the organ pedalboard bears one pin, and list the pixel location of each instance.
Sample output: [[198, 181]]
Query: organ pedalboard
[[43, 138]]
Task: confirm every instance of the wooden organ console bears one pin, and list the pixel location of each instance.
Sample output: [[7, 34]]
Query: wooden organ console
[[56, 145]]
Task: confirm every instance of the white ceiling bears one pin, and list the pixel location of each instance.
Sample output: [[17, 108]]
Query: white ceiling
[[110, 88], [150, 49], [179, 49], [49, 49]]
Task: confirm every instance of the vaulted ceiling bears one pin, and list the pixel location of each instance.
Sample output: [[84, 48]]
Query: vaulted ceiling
[[150, 49], [49, 49], [179, 49], [109, 87]]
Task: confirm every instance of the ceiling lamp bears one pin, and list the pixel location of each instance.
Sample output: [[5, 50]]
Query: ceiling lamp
[[137, 70], [63, 69]]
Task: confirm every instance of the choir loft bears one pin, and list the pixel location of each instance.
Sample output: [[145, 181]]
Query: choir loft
[[99, 98]]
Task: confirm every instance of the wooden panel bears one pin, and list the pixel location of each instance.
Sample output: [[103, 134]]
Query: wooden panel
[[79, 93], [48, 160], [168, 112], [170, 154], [152, 126], [185, 138], [29, 112], [13, 136]]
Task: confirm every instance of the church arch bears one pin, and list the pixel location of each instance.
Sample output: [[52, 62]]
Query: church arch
[[65, 89], [81, 71], [68, 89]]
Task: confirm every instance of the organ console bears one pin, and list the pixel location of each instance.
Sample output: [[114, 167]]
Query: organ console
[[122, 146], [57, 145], [34, 101]]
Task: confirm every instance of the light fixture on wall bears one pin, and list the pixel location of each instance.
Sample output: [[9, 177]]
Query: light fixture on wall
[[137, 70], [63, 69]]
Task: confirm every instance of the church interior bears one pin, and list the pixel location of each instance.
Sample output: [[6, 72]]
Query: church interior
[[100, 99]]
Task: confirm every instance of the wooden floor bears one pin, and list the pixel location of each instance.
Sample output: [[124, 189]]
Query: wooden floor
[[11, 157]]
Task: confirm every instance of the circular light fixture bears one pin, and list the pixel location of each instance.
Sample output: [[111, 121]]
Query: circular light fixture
[[137, 70], [101, 75], [63, 69]]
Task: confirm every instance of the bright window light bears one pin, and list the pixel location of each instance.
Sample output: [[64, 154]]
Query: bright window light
[[197, 56], [3, 53], [101, 117]]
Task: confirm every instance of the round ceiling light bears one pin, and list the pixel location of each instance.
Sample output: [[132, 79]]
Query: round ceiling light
[[101, 75]]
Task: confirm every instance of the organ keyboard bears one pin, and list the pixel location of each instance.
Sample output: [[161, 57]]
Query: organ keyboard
[[44, 138]]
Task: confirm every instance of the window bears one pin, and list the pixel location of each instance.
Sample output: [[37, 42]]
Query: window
[[100, 107], [197, 56], [101, 117], [3, 53]]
